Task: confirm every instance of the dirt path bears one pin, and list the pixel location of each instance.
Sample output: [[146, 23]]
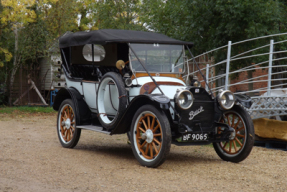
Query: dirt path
[[32, 159]]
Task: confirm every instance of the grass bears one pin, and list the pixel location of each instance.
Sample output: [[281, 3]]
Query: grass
[[25, 109]]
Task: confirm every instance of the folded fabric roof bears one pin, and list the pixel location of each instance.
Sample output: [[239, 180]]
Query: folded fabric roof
[[104, 36]]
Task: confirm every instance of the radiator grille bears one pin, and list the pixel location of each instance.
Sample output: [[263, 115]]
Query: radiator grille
[[202, 111]]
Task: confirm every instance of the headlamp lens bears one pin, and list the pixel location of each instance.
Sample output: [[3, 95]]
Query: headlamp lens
[[184, 99], [226, 99], [223, 99]]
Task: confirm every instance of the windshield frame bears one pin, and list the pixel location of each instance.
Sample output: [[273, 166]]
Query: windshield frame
[[176, 66]]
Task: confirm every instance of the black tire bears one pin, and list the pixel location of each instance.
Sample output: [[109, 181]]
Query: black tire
[[152, 150], [238, 148], [67, 132], [108, 78]]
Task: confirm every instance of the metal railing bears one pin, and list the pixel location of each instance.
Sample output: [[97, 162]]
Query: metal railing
[[263, 76]]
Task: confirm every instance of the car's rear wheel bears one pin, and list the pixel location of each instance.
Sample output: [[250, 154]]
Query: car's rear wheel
[[150, 136], [67, 132], [241, 141]]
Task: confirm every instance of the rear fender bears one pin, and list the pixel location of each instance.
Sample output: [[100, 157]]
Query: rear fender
[[83, 113]]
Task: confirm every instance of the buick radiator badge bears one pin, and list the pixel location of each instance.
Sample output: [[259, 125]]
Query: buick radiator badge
[[192, 114]]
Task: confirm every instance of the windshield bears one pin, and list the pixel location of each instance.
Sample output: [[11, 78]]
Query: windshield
[[158, 57]]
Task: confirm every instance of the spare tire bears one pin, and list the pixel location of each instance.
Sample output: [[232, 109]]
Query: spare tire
[[111, 99]]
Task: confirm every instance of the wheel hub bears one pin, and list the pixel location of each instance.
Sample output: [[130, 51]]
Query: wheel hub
[[232, 134], [148, 136], [68, 123]]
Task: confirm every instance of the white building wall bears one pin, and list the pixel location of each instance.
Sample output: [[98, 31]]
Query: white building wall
[[49, 67]]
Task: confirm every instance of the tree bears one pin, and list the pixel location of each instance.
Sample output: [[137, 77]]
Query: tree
[[35, 24], [61, 16], [212, 23], [86, 13], [5, 55], [17, 13], [119, 14]]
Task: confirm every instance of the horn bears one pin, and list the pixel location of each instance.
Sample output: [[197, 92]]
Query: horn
[[120, 64]]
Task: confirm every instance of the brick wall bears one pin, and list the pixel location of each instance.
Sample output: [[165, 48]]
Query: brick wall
[[202, 62], [242, 76]]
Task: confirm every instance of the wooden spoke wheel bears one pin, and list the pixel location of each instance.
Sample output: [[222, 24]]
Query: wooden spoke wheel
[[241, 140], [238, 138], [67, 126], [150, 136], [67, 132]]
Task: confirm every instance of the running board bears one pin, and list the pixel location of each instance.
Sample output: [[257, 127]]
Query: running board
[[94, 128]]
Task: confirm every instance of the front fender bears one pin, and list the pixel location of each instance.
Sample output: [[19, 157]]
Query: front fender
[[244, 100], [160, 101]]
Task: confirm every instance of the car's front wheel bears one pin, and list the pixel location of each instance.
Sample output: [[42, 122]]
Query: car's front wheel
[[150, 136], [68, 134], [241, 140]]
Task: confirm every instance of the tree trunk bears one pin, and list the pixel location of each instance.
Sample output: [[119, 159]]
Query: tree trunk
[[15, 66]]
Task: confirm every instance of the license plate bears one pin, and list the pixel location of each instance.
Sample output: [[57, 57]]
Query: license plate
[[195, 137]]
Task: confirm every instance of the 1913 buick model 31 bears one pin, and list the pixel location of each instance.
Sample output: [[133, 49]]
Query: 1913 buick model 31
[[121, 81]]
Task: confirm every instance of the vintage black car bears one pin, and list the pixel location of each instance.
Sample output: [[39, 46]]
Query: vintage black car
[[123, 81]]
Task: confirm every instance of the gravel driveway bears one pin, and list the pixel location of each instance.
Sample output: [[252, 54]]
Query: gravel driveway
[[32, 159]]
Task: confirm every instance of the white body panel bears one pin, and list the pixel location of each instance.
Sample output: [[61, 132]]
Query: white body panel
[[75, 84], [143, 80], [134, 91], [111, 101], [90, 94], [169, 90]]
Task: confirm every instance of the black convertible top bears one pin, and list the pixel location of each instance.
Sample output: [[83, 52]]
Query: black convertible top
[[104, 36]]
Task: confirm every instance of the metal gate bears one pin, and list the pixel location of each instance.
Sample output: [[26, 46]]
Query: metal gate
[[267, 64]]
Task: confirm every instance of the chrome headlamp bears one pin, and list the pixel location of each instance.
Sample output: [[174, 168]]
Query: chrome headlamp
[[226, 99], [184, 98]]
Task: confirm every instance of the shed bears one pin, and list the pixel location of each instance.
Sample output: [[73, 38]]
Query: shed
[[49, 69]]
